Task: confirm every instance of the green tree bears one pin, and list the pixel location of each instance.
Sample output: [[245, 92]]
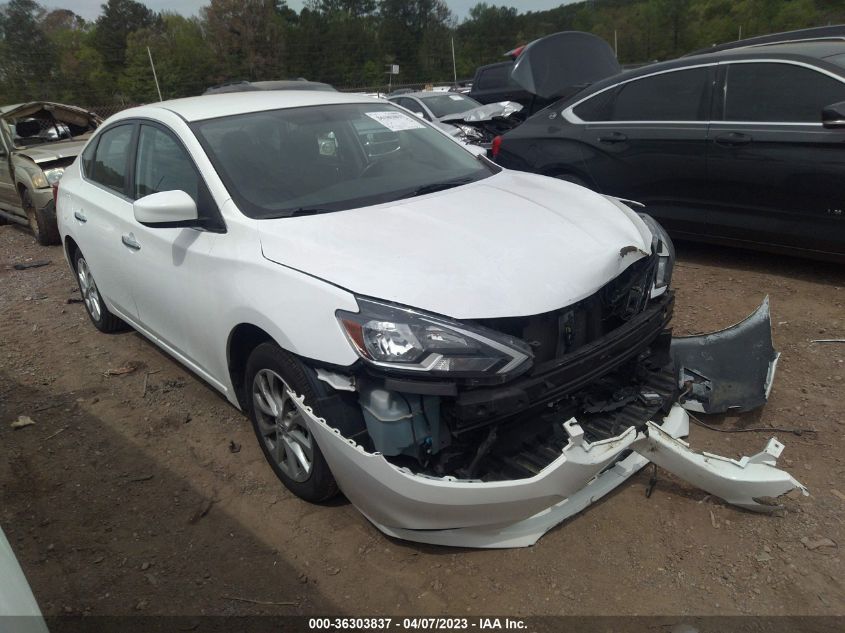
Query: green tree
[[119, 19], [248, 38], [183, 60], [81, 76], [27, 56]]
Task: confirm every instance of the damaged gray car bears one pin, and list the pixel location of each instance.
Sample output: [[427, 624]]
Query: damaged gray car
[[461, 116], [37, 141]]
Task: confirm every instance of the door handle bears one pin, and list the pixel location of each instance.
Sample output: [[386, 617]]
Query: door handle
[[734, 138], [129, 240], [613, 137], [80, 216]]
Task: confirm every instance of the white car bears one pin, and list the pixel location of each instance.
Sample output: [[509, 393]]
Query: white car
[[18, 609], [469, 354]]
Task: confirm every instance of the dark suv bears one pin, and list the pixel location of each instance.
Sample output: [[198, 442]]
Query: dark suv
[[493, 83], [743, 146]]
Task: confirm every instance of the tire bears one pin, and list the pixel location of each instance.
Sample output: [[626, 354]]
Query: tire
[[41, 221], [271, 367], [96, 308]]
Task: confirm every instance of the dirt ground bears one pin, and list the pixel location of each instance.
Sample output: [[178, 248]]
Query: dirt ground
[[147, 492]]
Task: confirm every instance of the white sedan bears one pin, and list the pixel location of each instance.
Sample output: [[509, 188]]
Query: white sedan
[[469, 354]]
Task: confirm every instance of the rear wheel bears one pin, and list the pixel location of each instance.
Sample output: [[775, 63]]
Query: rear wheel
[[41, 221], [282, 431], [100, 316]]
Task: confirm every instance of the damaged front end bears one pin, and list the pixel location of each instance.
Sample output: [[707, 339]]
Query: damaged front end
[[487, 433], [481, 125]]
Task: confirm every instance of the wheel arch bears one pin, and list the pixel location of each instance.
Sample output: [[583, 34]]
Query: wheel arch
[[71, 247], [243, 339]]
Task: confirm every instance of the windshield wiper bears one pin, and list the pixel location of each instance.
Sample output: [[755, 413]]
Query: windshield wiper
[[306, 211], [438, 186]]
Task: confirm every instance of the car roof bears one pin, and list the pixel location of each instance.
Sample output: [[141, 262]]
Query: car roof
[[422, 94], [227, 104], [799, 50]]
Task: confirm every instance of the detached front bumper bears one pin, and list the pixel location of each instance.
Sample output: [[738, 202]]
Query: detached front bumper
[[467, 513]]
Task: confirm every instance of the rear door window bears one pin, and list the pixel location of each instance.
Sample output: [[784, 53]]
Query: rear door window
[[679, 95], [109, 167], [778, 93]]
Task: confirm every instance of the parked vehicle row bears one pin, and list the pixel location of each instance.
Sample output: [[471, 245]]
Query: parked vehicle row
[[470, 354], [462, 116], [742, 146]]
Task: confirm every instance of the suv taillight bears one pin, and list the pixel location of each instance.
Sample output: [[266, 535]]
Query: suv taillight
[[496, 146], [56, 193]]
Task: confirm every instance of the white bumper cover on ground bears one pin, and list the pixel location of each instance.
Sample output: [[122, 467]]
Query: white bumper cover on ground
[[466, 513]]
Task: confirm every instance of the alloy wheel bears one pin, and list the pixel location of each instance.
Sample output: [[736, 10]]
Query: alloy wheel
[[283, 429], [89, 290]]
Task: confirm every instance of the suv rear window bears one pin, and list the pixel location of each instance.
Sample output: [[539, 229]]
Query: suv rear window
[[494, 77]]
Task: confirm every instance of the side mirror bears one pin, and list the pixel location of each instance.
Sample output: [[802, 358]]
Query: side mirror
[[420, 114], [166, 209], [833, 116]]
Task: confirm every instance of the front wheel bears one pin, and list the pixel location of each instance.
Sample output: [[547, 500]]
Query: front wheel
[[41, 221], [283, 433]]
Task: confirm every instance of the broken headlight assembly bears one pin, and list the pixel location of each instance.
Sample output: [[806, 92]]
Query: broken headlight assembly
[[665, 250], [48, 177], [470, 132], [399, 338]]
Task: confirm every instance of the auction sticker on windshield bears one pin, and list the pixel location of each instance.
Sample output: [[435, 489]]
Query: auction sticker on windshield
[[395, 121]]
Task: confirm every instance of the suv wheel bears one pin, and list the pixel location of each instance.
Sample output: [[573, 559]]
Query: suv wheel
[[102, 319], [41, 221], [282, 431]]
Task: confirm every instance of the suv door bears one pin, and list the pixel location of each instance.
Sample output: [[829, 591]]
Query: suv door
[[774, 172], [8, 194], [102, 213], [645, 138], [170, 269]]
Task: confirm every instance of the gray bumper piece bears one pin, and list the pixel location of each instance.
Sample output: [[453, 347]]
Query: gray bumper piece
[[731, 369]]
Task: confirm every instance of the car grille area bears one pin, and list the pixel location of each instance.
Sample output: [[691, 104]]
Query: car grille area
[[554, 334]]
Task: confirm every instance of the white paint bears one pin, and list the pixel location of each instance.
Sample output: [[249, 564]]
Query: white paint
[[514, 244], [16, 597]]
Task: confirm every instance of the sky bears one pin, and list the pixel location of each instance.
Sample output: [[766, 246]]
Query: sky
[[90, 9]]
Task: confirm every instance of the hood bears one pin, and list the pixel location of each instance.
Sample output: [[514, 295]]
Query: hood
[[514, 244], [484, 113], [560, 64], [47, 152]]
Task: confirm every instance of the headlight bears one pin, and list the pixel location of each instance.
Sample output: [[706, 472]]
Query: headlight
[[665, 252], [399, 338], [48, 177]]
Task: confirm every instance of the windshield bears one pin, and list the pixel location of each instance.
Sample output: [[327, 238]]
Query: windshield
[[444, 104], [330, 158]]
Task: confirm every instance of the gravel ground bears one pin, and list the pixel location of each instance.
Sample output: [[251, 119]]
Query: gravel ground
[[147, 493]]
